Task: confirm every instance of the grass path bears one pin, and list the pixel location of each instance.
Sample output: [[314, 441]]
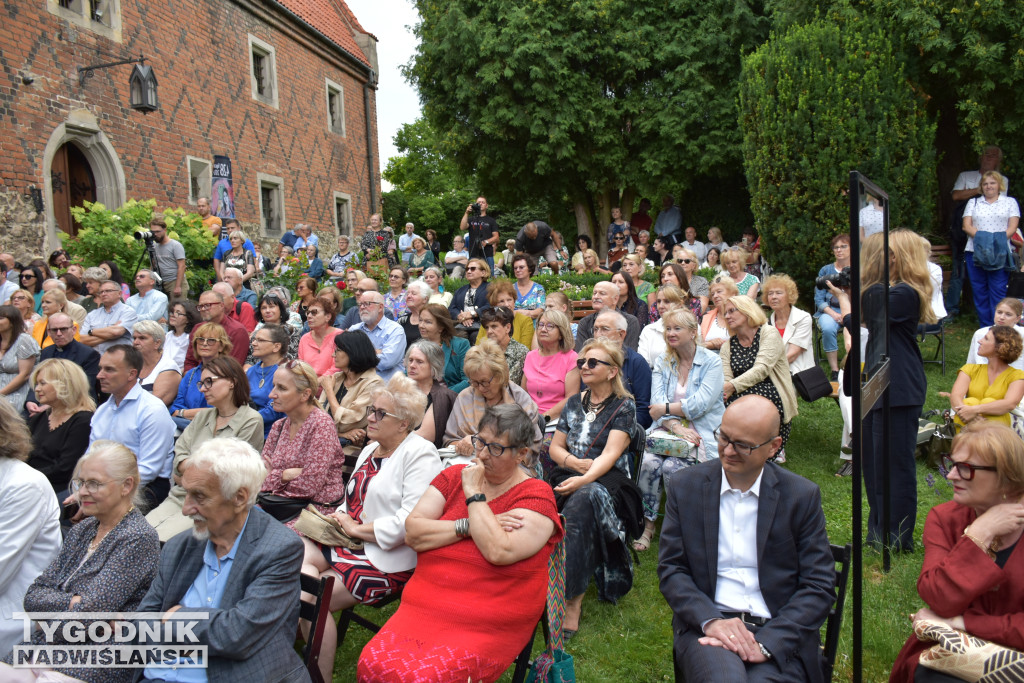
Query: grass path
[[632, 641]]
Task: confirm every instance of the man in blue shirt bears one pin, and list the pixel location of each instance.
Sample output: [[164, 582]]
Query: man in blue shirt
[[135, 418], [111, 323], [237, 570], [388, 337], [150, 303]]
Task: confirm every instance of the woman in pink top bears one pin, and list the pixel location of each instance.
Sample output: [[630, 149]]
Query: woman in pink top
[[316, 347], [550, 375]]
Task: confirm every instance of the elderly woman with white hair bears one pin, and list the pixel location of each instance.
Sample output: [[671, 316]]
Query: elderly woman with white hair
[[108, 559], [417, 295], [160, 375], [424, 364], [391, 474]]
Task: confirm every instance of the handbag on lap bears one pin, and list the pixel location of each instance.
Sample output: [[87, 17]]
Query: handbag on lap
[[967, 657]]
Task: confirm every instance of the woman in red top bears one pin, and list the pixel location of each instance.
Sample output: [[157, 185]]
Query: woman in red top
[[484, 533], [970, 579]]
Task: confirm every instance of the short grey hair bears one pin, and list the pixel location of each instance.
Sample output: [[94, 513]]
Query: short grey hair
[[234, 271], [511, 420], [57, 284], [147, 271], [235, 463], [620, 320], [410, 402], [432, 351], [153, 329], [95, 273], [422, 287], [437, 271]]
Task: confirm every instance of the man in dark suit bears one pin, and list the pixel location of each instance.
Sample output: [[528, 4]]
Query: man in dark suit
[[239, 566], [60, 328], [745, 563]]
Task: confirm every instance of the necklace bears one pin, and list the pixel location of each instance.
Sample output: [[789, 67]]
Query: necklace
[[263, 374], [594, 409], [97, 539]]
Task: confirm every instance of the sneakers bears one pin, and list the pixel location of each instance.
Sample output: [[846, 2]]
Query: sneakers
[[846, 469]]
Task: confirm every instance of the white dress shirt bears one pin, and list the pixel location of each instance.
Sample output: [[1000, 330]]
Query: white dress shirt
[[141, 423], [738, 588]]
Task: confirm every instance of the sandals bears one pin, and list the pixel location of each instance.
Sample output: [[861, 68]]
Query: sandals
[[643, 543]]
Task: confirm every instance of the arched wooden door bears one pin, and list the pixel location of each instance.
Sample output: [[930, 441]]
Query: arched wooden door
[[73, 183]]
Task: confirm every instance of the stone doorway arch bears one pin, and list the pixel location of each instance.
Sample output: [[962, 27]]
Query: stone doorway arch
[[80, 140]]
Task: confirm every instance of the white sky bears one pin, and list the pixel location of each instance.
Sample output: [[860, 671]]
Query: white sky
[[397, 101]]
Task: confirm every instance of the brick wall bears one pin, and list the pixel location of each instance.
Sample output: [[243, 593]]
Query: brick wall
[[199, 50]]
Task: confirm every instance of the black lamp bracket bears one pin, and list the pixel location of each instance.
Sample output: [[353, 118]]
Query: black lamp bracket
[[87, 72]]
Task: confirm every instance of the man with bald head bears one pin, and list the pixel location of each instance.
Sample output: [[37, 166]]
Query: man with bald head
[[352, 316], [606, 295], [753, 610], [149, 303], [387, 336], [213, 309]]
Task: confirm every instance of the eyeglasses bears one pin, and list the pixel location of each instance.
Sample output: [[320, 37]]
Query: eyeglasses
[[367, 304], [741, 448], [88, 485], [175, 313], [471, 268], [206, 307], [481, 385], [590, 363], [207, 383], [378, 414], [110, 291], [965, 469], [618, 237], [495, 449], [28, 276], [260, 340], [57, 330], [206, 341], [546, 326], [687, 260]]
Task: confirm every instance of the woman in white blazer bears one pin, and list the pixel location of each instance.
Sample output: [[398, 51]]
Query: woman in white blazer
[[29, 541], [793, 324], [390, 476]]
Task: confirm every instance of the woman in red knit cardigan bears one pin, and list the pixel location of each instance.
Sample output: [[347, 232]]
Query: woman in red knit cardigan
[[972, 574]]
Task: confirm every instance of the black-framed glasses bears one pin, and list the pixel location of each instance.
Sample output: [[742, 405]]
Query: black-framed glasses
[[208, 382], [378, 414], [496, 450], [481, 385], [741, 448], [28, 276], [686, 260], [964, 469], [591, 363], [206, 307], [619, 237]]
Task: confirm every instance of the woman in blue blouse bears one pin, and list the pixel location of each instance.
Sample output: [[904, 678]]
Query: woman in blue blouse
[[436, 325], [210, 340], [530, 296], [269, 349], [686, 399], [316, 266]]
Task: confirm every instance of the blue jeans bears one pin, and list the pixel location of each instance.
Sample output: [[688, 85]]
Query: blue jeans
[[829, 332], [988, 287]]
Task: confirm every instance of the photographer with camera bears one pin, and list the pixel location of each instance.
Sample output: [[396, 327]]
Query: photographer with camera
[[483, 231], [168, 259], [826, 306]]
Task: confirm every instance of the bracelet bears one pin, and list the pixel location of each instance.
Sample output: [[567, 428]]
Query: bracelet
[[462, 527], [668, 408], [988, 549]]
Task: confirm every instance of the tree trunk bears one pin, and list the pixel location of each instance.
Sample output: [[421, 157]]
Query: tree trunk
[[607, 200], [627, 201], [584, 216]]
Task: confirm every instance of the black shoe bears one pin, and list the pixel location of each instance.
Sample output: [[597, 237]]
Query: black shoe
[[834, 377], [846, 469]]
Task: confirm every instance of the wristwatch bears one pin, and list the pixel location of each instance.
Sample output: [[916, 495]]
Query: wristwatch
[[764, 651], [476, 498]]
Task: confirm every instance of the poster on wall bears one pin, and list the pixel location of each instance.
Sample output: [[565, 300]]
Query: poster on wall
[[221, 191]]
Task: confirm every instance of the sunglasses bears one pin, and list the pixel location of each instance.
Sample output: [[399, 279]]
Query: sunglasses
[[687, 260], [965, 469], [28, 276], [590, 363]]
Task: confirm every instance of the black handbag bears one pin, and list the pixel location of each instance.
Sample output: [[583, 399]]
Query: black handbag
[[812, 384], [282, 508], [1015, 285]]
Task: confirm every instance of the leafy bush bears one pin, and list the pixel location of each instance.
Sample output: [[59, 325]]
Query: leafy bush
[[108, 235], [816, 102]]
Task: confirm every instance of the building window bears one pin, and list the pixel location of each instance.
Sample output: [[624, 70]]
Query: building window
[[335, 108], [271, 204], [99, 16], [262, 71], [342, 214], [199, 178]]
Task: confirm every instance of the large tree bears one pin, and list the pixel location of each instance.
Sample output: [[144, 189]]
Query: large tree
[[588, 100], [816, 102]]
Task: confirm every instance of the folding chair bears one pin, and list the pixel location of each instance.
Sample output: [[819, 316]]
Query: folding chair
[[349, 615], [316, 613], [939, 332]]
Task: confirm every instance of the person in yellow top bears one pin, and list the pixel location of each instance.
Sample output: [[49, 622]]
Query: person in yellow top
[[212, 223], [54, 301], [990, 391]]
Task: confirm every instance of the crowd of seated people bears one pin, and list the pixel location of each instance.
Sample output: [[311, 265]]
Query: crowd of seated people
[[243, 409]]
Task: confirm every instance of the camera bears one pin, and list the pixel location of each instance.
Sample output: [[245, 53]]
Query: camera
[[143, 235], [475, 208], [840, 279]]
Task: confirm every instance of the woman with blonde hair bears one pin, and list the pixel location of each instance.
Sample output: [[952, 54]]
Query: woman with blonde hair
[[652, 337], [210, 341], [633, 266], [591, 480], [60, 433], [995, 216], [713, 328], [794, 324], [715, 239], [54, 301], [754, 362], [686, 400], [734, 262], [909, 299], [591, 263], [488, 380]]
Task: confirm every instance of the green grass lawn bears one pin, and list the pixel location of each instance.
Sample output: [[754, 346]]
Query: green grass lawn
[[632, 641]]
